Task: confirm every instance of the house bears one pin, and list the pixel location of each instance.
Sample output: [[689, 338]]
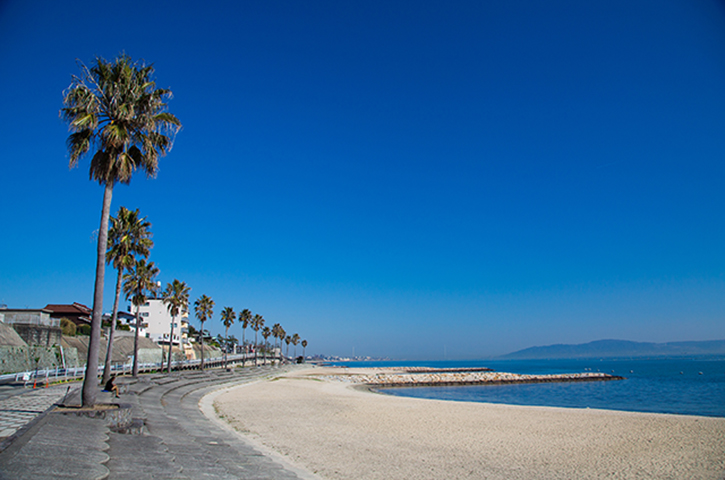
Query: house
[[35, 326], [75, 312], [125, 319], [155, 315]]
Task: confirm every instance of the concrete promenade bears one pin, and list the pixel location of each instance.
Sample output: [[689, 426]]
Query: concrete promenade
[[160, 433]]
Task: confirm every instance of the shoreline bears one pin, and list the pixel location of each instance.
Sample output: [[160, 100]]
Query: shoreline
[[342, 430]]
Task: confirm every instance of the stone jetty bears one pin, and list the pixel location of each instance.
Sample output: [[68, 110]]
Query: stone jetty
[[404, 377]]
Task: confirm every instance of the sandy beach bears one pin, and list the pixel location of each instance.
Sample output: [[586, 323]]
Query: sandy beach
[[338, 431]]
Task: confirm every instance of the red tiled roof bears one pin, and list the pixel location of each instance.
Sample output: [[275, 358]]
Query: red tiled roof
[[76, 308]]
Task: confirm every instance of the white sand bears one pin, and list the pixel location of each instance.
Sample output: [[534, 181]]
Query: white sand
[[338, 432]]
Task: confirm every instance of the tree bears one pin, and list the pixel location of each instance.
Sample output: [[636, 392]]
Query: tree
[[245, 316], [136, 284], [176, 298], [114, 109], [257, 323], [228, 317], [275, 333], [128, 236], [204, 309], [304, 346], [281, 335], [266, 332], [232, 342], [67, 327], [295, 340], [287, 339]]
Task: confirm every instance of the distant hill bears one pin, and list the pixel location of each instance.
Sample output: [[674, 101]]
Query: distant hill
[[620, 348]]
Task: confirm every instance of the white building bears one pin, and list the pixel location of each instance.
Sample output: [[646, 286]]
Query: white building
[[155, 315]]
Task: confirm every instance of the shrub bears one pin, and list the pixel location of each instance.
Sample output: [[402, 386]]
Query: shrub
[[67, 327], [84, 330]]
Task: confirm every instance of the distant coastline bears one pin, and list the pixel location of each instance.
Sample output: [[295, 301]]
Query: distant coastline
[[619, 348]]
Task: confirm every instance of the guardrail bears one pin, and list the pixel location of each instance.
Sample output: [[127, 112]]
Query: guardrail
[[55, 375]]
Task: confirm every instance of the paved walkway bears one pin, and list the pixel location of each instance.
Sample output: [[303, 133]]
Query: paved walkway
[[19, 406], [170, 437]]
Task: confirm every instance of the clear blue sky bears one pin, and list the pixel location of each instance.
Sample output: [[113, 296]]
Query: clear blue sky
[[400, 178]]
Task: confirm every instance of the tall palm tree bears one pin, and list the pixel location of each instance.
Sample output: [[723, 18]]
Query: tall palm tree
[[257, 323], [204, 309], [304, 346], [228, 317], [295, 340], [266, 332], [245, 316], [176, 298], [137, 283], [115, 110], [128, 236], [287, 339]]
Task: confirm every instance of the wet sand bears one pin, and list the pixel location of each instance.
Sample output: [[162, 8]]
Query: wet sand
[[339, 431]]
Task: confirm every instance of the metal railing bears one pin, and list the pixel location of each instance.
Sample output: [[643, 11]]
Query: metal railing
[[57, 375]]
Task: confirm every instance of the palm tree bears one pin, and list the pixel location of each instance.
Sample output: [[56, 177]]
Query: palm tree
[[257, 323], [228, 317], [245, 316], [295, 340], [287, 339], [136, 284], [114, 109], [266, 332], [281, 335], [275, 333], [128, 236], [176, 298], [304, 346], [204, 309]]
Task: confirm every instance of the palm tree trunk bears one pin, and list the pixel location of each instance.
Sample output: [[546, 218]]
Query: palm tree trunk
[[90, 382], [226, 336], [202, 345], [244, 347], [135, 347], [171, 345], [111, 333], [255, 347]]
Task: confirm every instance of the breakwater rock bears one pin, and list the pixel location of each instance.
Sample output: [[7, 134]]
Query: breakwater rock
[[390, 378]]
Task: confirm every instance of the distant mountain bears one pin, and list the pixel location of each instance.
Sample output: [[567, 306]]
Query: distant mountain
[[620, 348]]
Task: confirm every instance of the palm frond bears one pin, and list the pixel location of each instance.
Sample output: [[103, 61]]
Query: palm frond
[[117, 105]]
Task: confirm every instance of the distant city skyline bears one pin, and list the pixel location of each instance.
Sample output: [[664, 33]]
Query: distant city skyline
[[406, 180]]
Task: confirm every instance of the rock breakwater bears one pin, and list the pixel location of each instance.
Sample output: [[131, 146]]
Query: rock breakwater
[[390, 378]]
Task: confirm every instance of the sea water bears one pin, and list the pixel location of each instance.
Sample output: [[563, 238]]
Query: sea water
[[685, 386]]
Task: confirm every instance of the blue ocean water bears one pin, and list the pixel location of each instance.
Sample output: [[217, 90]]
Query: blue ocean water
[[685, 386]]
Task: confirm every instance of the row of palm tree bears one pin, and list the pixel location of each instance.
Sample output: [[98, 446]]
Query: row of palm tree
[[129, 236], [129, 245], [256, 322], [118, 117]]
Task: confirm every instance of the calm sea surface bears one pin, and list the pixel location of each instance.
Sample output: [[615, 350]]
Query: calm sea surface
[[687, 386]]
